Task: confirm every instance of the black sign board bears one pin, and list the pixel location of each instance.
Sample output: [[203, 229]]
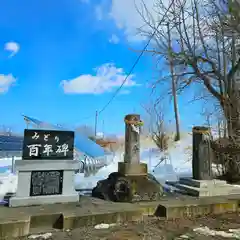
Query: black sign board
[[48, 144], [46, 183]]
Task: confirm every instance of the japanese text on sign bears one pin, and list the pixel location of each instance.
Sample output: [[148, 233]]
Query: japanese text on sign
[[48, 144], [46, 183]]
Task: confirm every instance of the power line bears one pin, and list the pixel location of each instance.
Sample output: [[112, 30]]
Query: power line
[[136, 62], [96, 122]]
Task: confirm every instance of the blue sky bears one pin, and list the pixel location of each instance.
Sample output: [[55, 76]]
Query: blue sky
[[60, 61]]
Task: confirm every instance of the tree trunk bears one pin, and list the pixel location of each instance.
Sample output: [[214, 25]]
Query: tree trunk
[[232, 163], [174, 91], [232, 115]]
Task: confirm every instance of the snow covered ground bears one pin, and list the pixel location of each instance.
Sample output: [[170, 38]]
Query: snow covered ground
[[176, 164]]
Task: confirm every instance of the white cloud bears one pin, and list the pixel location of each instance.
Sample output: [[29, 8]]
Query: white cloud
[[6, 81], [126, 16], [114, 39], [106, 79], [12, 47]]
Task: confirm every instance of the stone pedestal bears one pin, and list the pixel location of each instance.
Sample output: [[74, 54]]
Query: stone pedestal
[[26, 195], [202, 184], [141, 187], [132, 169], [206, 188]]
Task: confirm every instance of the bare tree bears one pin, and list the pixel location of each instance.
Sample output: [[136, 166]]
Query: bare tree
[[157, 128], [6, 130], [174, 90], [204, 39]]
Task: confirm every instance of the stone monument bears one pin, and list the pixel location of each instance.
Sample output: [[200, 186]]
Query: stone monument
[[132, 164], [132, 181], [46, 171], [201, 153], [202, 183]]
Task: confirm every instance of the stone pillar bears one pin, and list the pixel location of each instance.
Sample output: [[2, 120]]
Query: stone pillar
[[132, 139], [131, 164], [201, 155]]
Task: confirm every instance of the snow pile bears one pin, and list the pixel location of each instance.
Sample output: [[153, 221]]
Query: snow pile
[[232, 233], [90, 182], [104, 226], [8, 184], [6, 164], [41, 236], [172, 164]]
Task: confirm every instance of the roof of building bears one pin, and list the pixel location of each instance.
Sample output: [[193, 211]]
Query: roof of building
[[11, 143]]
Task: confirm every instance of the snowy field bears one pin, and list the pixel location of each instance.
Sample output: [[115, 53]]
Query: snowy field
[[176, 164]]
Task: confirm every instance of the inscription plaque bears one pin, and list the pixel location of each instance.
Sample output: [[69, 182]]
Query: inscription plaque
[[46, 183], [48, 144]]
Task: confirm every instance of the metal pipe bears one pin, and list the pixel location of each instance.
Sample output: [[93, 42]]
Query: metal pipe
[[91, 165]]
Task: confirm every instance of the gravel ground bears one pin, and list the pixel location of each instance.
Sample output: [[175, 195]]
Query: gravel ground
[[156, 229]]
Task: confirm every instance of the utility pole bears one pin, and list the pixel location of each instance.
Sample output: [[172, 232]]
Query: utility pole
[[174, 91], [103, 129], [96, 122]]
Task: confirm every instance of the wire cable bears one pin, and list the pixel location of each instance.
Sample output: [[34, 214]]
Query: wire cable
[[137, 60]]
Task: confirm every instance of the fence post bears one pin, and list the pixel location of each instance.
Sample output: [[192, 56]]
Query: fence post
[[13, 162]]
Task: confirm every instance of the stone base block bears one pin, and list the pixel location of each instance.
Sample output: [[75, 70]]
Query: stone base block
[[132, 169], [144, 188], [192, 207], [10, 229], [206, 188], [128, 188], [39, 200], [202, 183]]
